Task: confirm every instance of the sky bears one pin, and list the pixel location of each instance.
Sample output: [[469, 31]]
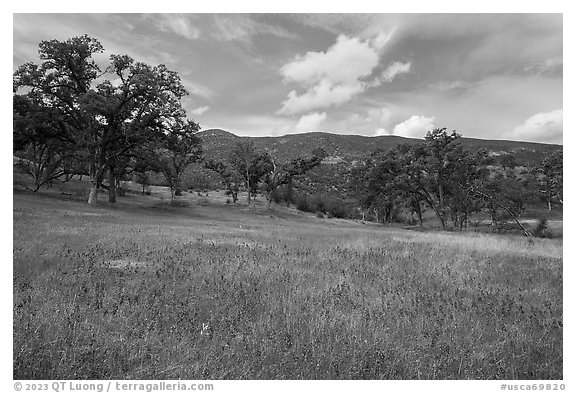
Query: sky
[[490, 76]]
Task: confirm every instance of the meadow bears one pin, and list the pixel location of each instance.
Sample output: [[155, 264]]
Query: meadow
[[209, 290]]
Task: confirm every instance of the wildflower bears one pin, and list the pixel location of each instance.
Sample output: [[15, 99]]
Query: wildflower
[[206, 330]]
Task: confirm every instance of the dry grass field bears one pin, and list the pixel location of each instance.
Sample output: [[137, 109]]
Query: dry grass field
[[208, 290]]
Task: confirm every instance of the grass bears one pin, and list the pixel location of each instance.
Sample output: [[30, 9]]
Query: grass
[[216, 291]]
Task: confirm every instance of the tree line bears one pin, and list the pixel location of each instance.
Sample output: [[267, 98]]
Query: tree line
[[455, 183]]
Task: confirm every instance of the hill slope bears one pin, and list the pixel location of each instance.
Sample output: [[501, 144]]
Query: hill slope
[[217, 144], [334, 175]]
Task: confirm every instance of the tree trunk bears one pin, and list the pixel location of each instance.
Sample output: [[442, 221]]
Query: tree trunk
[[248, 187], [96, 171], [288, 192], [177, 186], [93, 197], [549, 206], [440, 217], [111, 185], [440, 192], [95, 183], [419, 213], [420, 222]]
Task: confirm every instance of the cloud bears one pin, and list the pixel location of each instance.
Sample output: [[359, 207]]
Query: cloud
[[395, 69], [551, 65], [242, 27], [323, 95], [311, 122], [330, 78], [452, 85], [177, 24], [383, 38], [479, 44], [344, 62], [335, 23], [415, 127], [200, 110], [541, 127], [390, 73]]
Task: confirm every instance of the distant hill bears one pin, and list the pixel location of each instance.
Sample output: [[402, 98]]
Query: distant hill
[[333, 176], [217, 144]]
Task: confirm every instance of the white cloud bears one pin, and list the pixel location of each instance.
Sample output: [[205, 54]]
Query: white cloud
[[415, 127], [383, 38], [323, 95], [346, 61], [179, 25], [200, 110], [310, 122], [395, 69], [541, 127], [331, 77]]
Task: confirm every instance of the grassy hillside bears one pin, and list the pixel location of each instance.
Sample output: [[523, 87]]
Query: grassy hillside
[[144, 290]]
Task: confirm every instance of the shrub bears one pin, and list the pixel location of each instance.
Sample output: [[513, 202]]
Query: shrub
[[301, 202], [337, 208], [541, 227], [324, 204], [276, 196]]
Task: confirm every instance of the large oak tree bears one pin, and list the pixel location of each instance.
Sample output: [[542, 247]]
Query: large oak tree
[[108, 115]]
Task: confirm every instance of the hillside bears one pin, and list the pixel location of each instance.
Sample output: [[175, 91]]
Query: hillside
[[217, 144], [333, 176]]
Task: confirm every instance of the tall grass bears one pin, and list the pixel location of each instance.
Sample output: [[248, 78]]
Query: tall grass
[[208, 293]]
